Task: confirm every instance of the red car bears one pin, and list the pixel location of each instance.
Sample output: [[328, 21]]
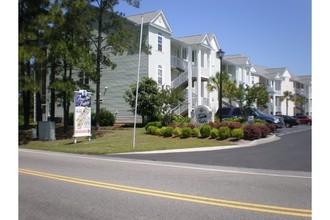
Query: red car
[[304, 119]]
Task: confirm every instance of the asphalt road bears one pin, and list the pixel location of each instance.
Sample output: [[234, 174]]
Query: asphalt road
[[68, 186], [291, 152]]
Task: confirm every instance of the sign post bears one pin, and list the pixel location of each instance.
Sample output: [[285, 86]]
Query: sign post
[[82, 114]]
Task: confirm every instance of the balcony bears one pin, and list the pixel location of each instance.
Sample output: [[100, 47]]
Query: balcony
[[300, 92], [205, 72], [272, 90]]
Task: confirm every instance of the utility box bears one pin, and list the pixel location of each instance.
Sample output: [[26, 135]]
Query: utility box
[[46, 130]]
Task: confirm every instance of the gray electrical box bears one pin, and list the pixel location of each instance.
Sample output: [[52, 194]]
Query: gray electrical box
[[46, 131]]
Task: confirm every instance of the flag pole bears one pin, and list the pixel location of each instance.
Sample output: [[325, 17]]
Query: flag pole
[[137, 84]]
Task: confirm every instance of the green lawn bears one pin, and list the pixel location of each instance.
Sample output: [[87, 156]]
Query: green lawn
[[118, 140]]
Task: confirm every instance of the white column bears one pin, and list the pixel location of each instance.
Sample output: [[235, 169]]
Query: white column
[[274, 104], [199, 79], [189, 81]]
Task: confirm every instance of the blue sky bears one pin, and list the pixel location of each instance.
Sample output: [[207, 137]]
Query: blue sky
[[272, 33]]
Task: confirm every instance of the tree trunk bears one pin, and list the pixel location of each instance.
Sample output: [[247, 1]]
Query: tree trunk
[[52, 91], [38, 93], [98, 68]]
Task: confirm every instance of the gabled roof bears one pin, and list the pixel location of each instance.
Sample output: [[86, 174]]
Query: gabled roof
[[199, 39], [213, 41], [194, 39], [237, 59], [305, 79], [270, 73], [154, 18]]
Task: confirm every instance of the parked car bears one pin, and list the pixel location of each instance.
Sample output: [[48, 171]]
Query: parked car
[[228, 112], [304, 119], [289, 121]]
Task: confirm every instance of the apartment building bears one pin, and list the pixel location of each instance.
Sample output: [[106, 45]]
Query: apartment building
[[190, 61], [185, 61]]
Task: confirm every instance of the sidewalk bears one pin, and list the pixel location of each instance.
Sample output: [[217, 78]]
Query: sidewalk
[[241, 143]]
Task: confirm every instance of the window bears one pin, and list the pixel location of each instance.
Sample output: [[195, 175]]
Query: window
[[193, 56], [278, 85], [184, 53], [84, 80], [160, 42], [160, 75]]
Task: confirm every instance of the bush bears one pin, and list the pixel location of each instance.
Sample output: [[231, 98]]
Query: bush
[[235, 119], [151, 130], [224, 132], [205, 131], [157, 124], [252, 132], [106, 118], [214, 133], [177, 132], [195, 132], [186, 132], [264, 130], [272, 127], [168, 132], [159, 131], [180, 119], [237, 133]]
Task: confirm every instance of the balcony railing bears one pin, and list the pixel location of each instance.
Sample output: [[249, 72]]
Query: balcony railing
[[205, 72], [272, 90], [182, 78], [179, 63]]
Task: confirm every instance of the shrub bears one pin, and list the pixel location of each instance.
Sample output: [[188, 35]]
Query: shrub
[[168, 132], [264, 130], [237, 133], [252, 132], [151, 130], [186, 132], [106, 118], [177, 131], [195, 132], [180, 119], [157, 124], [272, 127], [233, 125], [235, 119], [214, 133], [190, 125], [205, 131], [214, 124], [224, 132], [160, 131]]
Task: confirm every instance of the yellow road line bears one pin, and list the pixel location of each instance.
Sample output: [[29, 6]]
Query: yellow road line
[[177, 196]]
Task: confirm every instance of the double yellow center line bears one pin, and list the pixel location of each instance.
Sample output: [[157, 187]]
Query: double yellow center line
[[177, 196]]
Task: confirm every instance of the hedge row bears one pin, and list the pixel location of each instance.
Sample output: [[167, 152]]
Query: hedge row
[[222, 130]]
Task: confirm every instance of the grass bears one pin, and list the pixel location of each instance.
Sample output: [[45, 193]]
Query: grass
[[112, 140]]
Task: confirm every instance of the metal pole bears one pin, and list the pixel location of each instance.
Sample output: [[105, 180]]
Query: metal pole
[[220, 92], [137, 83]]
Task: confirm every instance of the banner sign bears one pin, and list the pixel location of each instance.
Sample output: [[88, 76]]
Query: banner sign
[[82, 113]]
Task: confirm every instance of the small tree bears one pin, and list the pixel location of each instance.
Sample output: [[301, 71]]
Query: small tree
[[300, 101], [213, 83], [287, 96], [149, 103], [171, 99]]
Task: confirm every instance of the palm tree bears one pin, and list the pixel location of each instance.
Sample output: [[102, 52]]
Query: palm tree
[[213, 83], [287, 96], [300, 101]]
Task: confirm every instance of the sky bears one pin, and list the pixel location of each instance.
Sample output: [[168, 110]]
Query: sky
[[272, 33]]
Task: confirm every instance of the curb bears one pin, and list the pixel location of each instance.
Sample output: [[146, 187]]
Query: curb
[[199, 149]]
